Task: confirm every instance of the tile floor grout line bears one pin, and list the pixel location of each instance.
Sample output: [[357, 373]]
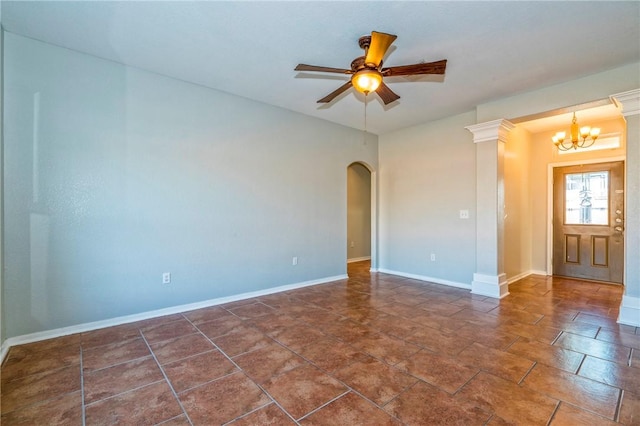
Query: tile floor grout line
[[243, 372], [616, 415], [527, 373], [325, 404], [123, 393], [555, 411], [166, 379], [83, 409]]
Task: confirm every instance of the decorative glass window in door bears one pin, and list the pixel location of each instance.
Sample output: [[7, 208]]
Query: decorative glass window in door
[[586, 198]]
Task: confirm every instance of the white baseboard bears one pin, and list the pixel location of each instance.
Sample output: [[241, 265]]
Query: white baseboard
[[525, 275], [81, 328], [630, 311], [359, 259], [425, 278]]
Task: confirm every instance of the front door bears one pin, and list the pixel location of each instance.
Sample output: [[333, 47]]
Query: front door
[[588, 222]]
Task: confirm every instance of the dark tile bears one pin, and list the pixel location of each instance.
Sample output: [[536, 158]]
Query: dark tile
[[200, 316], [387, 348], [181, 347], [253, 310], [120, 378], [168, 331], [579, 391], [303, 389], [629, 409], [145, 405], [611, 373], [441, 371], [350, 409], [106, 336], [508, 400], [24, 363], [270, 415], [502, 364], [220, 326], [552, 356], [267, 362], [330, 355], [48, 384], [223, 400], [569, 415], [424, 404], [596, 348], [115, 353], [242, 339], [375, 380], [297, 337], [198, 369], [63, 411]]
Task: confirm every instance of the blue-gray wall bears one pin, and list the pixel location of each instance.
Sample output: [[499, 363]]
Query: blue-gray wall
[[114, 175]]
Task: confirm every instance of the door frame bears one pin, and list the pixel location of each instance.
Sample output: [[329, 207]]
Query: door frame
[[550, 168]]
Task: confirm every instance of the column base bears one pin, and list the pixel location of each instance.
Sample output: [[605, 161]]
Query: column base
[[495, 286], [630, 311]]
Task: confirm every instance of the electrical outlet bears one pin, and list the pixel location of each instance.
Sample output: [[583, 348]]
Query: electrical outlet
[[294, 261], [166, 278], [353, 244], [464, 214], [433, 257]]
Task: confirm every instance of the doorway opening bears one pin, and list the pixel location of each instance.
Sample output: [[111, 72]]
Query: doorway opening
[[360, 222]]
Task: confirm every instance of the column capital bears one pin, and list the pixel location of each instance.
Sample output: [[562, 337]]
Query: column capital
[[629, 101], [491, 130]]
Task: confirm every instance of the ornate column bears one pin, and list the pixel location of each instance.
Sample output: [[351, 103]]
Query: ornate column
[[630, 306], [490, 137]]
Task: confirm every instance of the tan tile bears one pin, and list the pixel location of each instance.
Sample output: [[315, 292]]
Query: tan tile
[[569, 415], [441, 371], [303, 389], [267, 362], [198, 369], [629, 409], [181, 347], [375, 380], [64, 410], [502, 364], [552, 356], [120, 378], [611, 373], [223, 400], [350, 409], [115, 353], [597, 348], [146, 405], [270, 415], [424, 404], [27, 390], [579, 391], [168, 331], [508, 400], [330, 355]]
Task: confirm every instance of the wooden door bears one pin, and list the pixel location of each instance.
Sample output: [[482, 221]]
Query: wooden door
[[588, 221]]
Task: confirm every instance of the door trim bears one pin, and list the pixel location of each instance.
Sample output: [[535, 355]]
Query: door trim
[[550, 168]]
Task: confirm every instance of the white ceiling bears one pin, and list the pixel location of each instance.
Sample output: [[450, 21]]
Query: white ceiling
[[249, 48]]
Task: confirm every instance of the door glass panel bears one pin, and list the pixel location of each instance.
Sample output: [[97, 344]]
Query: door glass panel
[[587, 198]]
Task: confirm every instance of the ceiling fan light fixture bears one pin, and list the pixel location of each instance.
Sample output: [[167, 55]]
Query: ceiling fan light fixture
[[366, 80]]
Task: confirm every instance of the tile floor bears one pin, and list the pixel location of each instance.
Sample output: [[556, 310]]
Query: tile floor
[[374, 350]]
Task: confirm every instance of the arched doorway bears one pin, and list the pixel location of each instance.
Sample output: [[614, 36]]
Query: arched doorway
[[359, 213]]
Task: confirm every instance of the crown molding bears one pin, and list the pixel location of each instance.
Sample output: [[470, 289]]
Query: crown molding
[[491, 130], [630, 102]]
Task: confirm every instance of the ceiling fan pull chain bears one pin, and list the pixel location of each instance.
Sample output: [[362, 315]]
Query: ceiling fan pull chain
[[365, 119]]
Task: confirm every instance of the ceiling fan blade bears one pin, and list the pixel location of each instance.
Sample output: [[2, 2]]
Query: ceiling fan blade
[[380, 42], [437, 67], [305, 67], [335, 93], [387, 95]]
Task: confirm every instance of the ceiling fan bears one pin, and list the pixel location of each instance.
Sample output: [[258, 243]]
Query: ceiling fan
[[367, 72]]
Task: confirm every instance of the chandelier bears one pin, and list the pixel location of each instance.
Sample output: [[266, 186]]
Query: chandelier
[[581, 137]]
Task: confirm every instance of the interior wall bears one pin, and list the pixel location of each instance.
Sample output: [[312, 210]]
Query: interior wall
[[358, 212], [518, 218], [544, 153], [427, 175], [114, 175]]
